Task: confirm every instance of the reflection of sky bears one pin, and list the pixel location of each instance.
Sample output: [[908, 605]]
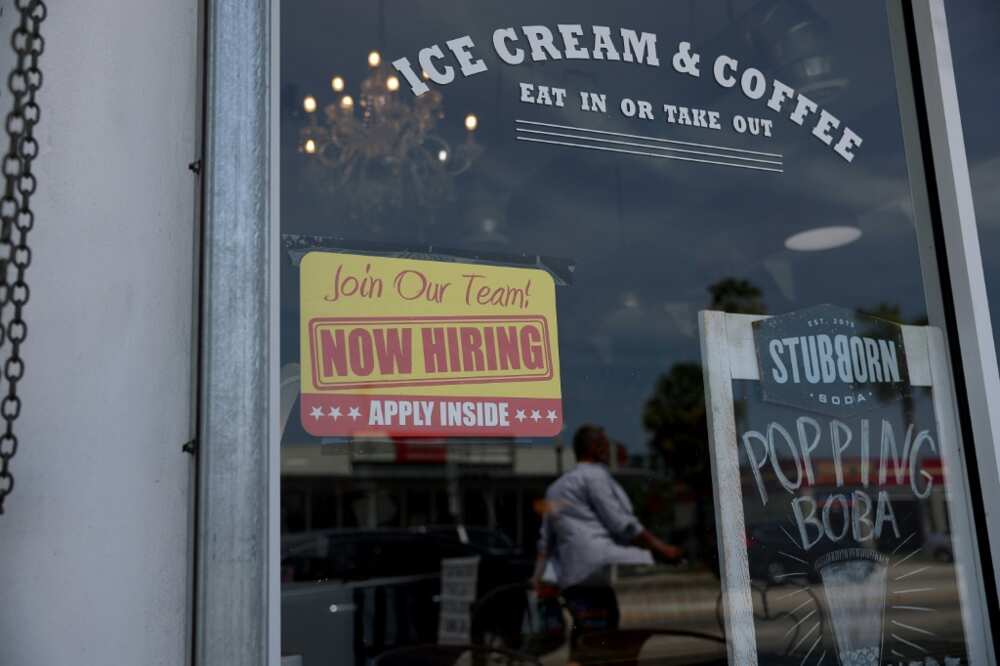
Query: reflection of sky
[[647, 236], [973, 26]]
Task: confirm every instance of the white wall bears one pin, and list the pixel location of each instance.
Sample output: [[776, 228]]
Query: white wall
[[94, 547]]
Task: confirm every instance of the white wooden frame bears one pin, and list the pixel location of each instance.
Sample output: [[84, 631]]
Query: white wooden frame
[[727, 348]]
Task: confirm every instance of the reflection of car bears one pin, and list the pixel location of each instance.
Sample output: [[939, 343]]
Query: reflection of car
[[481, 539], [938, 545], [356, 554], [361, 554], [775, 557], [385, 584]]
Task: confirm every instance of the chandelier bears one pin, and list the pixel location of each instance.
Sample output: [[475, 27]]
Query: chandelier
[[380, 151]]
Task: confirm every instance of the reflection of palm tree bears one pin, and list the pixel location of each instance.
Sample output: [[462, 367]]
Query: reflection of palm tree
[[893, 313], [675, 416], [737, 297]]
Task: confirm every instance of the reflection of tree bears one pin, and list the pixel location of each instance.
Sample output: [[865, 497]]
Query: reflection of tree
[[893, 313], [737, 297], [675, 417], [886, 392]]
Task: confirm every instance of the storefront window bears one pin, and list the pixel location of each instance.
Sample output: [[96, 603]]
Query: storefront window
[[499, 224]]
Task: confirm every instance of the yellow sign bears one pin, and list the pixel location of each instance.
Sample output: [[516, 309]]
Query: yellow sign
[[427, 348]]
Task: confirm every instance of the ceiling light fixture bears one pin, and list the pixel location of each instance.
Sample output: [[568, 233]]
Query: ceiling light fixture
[[823, 238]]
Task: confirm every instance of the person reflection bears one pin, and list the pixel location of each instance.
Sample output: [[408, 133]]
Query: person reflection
[[589, 525]]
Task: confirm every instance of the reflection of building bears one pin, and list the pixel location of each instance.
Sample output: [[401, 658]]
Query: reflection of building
[[404, 484], [409, 483]]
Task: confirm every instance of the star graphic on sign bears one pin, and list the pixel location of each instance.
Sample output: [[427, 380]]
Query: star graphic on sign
[[354, 413], [551, 415], [520, 415], [335, 413], [535, 415], [316, 412]]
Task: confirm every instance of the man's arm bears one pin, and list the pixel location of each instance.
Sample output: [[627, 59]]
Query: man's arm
[[536, 577], [647, 540], [622, 523], [602, 494], [545, 543]]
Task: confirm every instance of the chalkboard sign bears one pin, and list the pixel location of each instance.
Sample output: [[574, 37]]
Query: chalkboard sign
[[839, 490]]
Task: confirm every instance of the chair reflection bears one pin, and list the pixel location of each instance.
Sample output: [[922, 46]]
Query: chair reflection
[[624, 647], [454, 655]]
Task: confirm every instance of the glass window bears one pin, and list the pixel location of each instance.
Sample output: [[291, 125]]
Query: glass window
[[499, 223]]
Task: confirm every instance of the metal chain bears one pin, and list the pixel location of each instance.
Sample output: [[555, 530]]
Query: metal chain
[[18, 219]]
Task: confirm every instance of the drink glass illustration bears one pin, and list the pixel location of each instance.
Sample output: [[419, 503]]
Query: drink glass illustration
[[854, 582]]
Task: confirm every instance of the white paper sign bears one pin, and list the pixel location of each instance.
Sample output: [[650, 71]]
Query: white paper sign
[[459, 576]]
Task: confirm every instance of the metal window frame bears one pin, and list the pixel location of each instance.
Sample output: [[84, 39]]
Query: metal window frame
[[234, 549], [237, 589], [953, 269]]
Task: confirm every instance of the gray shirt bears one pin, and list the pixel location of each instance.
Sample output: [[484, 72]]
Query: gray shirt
[[587, 526]]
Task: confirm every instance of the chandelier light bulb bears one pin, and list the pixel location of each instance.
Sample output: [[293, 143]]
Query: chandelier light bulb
[[309, 104], [374, 59], [358, 126]]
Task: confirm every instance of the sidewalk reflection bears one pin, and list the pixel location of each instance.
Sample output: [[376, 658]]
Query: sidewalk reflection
[[666, 604]]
